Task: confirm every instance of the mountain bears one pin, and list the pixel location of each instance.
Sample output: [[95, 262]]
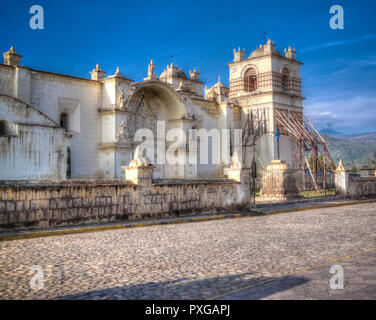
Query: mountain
[[330, 132], [360, 148]]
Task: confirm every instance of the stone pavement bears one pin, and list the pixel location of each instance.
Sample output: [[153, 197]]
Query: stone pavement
[[301, 203], [359, 275], [184, 261]]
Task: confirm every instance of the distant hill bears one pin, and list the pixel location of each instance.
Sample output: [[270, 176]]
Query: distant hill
[[356, 147], [330, 132]]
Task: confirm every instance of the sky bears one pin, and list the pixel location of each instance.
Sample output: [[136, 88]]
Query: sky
[[339, 71]]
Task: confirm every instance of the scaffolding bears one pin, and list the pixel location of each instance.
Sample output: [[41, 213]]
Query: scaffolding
[[310, 143], [240, 86]]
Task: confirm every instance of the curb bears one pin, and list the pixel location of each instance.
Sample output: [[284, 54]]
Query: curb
[[330, 205], [328, 262], [39, 234]]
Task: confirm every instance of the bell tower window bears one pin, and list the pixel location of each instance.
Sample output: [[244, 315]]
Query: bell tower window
[[285, 79], [250, 80]]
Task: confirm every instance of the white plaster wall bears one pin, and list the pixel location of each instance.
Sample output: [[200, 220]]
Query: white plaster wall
[[108, 127], [46, 91], [37, 152], [122, 158], [106, 164], [209, 115], [35, 147]]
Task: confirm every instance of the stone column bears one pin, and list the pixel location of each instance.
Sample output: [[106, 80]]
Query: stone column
[[239, 174], [279, 183], [140, 175], [341, 178], [138, 171]]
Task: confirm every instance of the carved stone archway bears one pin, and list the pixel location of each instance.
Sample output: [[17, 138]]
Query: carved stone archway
[[153, 101]]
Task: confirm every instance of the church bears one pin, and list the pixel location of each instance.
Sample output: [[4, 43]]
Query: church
[[56, 126]]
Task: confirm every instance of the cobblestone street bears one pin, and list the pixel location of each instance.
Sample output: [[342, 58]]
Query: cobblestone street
[[185, 261]]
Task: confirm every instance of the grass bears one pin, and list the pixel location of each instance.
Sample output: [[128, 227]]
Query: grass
[[307, 193], [317, 193]]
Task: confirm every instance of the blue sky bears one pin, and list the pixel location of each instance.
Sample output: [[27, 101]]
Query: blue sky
[[339, 72]]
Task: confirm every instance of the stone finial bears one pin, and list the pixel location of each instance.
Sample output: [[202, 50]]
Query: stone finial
[[269, 47], [340, 167], [118, 73], [290, 53], [239, 55], [11, 57], [151, 68], [97, 73], [194, 75]]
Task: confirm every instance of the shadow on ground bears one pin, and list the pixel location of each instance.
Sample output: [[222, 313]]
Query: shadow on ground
[[185, 289], [268, 289]]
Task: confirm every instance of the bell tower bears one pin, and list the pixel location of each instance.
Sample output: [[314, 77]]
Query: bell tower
[[264, 82]]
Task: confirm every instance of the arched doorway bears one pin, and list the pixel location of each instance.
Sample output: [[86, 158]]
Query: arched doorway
[[154, 101]]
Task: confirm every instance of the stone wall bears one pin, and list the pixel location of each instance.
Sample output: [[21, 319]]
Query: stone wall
[[46, 204], [355, 187], [359, 187]]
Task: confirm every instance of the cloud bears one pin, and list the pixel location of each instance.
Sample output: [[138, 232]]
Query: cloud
[[339, 43], [352, 115]]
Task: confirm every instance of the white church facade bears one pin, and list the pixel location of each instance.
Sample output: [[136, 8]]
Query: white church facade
[[55, 126]]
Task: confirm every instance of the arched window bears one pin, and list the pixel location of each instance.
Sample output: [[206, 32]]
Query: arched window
[[285, 79], [3, 128], [250, 80], [64, 121]]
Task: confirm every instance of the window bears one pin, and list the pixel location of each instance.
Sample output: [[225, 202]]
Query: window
[[3, 128], [285, 79], [250, 80], [64, 121]]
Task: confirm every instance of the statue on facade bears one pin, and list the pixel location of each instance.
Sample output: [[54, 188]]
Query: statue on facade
[[151, 68], [235, 162], [138, 160], [122, 136], [122, 100]]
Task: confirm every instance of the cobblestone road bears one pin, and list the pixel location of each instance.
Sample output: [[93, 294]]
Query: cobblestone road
[[359, 283], [183, 261]]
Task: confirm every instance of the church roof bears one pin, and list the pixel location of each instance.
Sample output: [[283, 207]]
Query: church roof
[[267, 48], [173, 71]]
